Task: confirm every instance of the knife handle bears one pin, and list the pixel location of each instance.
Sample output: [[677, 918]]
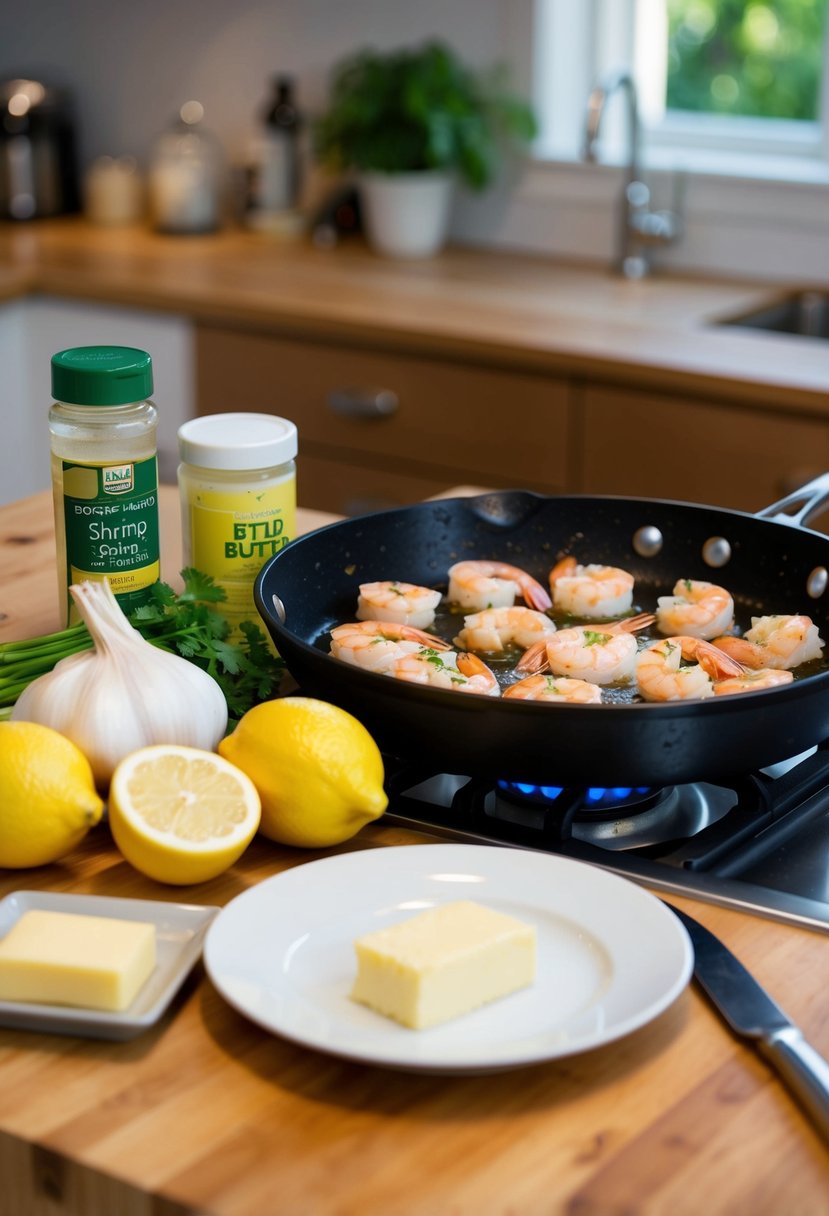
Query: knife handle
[[803, 1069]]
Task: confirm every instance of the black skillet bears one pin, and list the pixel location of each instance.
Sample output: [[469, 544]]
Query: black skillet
[[769, 562]]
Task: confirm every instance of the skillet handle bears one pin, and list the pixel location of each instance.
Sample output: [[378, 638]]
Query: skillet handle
[[807, 501]]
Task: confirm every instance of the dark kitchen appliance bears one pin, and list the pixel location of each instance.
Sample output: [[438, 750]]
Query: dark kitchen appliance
[[720, 799], [38, 166]]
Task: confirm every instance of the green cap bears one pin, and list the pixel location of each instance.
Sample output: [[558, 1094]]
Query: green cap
[[102, 375]]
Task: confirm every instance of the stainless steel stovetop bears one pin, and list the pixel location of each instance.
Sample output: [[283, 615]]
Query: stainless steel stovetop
[[759, 844]]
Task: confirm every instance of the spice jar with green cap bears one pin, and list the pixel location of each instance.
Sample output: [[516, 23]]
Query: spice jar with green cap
[[104, 471]]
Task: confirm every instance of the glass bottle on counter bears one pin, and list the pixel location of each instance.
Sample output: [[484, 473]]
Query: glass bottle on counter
[[185, 177], [104, 472], [237, 482], [275, 154]]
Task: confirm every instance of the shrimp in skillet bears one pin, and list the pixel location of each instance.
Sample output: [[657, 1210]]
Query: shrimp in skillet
[[480, 585], [404, 603], [661, 678], [696, 609], [446, 669], [588, 592], [751, 681], [601, 654], [554, 689], [376, 645], [780, 642], [492, 630]]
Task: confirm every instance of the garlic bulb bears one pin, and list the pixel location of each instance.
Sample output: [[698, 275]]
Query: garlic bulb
[[123, 694]]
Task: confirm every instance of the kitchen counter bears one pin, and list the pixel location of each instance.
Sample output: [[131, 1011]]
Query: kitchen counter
[[207, 1113], [496, 309]]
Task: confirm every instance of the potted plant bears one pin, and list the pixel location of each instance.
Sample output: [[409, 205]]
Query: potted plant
[[410, 123]]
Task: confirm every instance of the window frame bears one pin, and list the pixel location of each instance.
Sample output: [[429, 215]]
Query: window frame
[[745, 218], [577, 45]]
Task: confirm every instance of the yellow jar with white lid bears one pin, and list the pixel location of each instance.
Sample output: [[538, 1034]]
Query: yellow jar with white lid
[[237, 481]]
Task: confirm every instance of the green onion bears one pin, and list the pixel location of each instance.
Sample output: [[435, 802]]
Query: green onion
[[187, 623]]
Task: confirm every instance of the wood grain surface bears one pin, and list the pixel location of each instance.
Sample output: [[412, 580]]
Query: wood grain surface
[[493, 309], [206, 1113]]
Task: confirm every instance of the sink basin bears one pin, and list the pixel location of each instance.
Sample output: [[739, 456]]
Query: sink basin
[[805, 313]]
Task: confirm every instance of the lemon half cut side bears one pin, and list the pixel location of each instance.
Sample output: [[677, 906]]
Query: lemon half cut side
[[181, 815]]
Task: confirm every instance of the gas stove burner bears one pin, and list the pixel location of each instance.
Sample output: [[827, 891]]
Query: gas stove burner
[[616, 817], [757, 842], [594, 802]]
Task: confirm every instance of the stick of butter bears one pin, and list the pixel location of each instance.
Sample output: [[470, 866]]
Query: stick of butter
[[443, 962], [61, 958]]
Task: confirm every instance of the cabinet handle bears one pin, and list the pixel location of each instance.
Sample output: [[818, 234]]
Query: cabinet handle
[[363, 402]]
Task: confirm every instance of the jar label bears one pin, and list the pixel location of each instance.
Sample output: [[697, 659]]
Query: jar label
[[111, 516], [232, 533]]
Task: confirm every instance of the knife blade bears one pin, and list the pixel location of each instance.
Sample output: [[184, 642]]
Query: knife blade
[[752, 1014]]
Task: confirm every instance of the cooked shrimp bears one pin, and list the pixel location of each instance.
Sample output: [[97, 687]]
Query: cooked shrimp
[[601, 655], [404, 603], [590, 591], [446, 669], [781, 642], [661, 678], [496, 628], [696, 609], [480, 585], [544, 687], [751, 681], [375, 645]]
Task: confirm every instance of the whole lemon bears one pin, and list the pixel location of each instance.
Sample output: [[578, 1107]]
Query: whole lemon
[[318, 771], [48, 800]]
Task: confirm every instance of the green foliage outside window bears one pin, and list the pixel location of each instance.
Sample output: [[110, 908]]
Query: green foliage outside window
[[762, 58]]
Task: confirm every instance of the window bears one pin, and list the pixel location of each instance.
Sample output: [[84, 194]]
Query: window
[[761, 59], [729, 85]]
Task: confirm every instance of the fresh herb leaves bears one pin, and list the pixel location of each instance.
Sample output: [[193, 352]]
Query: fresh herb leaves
[[593, 638], [189, 622]]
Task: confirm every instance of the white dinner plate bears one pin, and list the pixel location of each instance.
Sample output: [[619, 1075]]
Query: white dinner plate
[[179, 936], [610, 956]]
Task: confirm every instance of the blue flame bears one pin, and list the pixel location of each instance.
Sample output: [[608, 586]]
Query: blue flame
[[594, 796]]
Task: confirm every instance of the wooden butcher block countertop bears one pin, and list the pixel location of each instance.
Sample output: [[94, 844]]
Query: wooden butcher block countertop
[[207, 1113], [497, 309]]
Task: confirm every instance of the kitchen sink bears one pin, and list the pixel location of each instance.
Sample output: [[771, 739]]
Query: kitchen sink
[[805, 313]]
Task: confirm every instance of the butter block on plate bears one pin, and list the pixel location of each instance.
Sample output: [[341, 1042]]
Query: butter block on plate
[[94, 962], [443, 963]]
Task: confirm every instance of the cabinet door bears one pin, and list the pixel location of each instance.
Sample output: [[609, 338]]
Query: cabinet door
[[384, 417], [649, 446]]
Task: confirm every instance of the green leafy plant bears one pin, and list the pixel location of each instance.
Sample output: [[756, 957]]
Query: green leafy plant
[[420, 109]]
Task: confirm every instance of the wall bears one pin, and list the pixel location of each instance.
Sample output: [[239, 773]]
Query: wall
[[131, 67]]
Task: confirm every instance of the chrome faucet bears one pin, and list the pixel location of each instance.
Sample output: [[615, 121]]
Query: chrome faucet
[[639, 228]]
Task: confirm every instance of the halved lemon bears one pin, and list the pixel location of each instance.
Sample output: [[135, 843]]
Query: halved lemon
[[181, 815]]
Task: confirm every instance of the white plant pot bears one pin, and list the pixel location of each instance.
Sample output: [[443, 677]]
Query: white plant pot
[[406, 215]]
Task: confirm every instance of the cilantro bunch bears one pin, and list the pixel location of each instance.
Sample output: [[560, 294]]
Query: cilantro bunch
[[189, 623]]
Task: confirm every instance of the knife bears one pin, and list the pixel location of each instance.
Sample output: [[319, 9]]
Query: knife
[[751, 1013]]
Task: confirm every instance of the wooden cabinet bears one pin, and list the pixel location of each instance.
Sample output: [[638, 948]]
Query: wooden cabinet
[[651, 446], [379, 429]]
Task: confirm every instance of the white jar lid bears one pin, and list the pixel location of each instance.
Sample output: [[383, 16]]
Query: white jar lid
[[237, 441]]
